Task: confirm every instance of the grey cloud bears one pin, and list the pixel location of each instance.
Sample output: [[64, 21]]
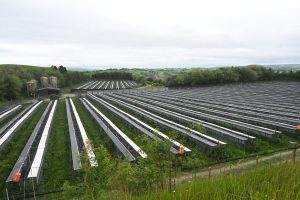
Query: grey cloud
[[46, 32]]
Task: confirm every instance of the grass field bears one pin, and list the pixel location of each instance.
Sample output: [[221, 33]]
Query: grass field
[[277, 182], [259, 181]]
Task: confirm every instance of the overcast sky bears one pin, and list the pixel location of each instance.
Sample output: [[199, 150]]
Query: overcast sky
[[152, 33]]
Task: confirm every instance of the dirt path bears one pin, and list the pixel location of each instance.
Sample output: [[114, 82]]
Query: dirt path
[[65, 95], [186, 177]]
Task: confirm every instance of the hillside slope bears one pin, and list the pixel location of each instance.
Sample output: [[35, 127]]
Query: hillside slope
[[276, 182]]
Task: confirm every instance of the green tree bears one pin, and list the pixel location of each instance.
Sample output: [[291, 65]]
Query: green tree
[[62, 69], [248, 75], [13, 87], [2, 89]]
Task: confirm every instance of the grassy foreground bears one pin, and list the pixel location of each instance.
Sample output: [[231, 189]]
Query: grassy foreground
[[277, 182], [267, 182]]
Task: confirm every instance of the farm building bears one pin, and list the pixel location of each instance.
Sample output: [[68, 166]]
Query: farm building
[[49, 86], [31, 87], [46, 92]]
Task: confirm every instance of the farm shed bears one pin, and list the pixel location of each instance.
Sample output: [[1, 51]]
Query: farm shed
[[46, 92]]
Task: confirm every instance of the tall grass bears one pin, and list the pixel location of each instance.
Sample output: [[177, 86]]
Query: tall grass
[[277, 182], [263, 183]]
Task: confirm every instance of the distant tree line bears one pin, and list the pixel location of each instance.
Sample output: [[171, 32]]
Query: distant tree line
[[252, 73], [112, 75], [13, 78]]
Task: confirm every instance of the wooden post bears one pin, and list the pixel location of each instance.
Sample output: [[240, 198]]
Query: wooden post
[[294, 147], [170, 180], [256, 160], [209, 173], [174, 195], [294, 151], [174, 183], [7, 196], [280, 158]]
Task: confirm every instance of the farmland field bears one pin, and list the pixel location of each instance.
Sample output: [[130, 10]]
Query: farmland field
[[153, 133]]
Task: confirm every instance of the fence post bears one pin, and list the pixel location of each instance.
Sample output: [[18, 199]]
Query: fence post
[[294, 147], [174, 184], [209, 173], [256, 160], [7, 196]]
